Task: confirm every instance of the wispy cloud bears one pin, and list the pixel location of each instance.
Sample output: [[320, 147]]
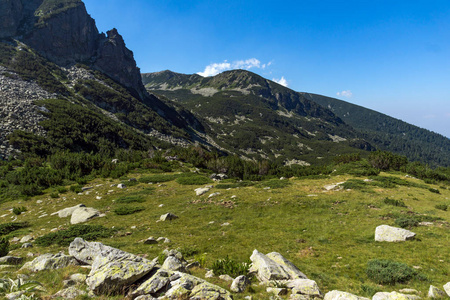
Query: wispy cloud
[[216, 68], [346, 94], [281, 81]]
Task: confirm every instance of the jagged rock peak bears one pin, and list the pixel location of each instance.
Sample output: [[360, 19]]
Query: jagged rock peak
[[63, 32]]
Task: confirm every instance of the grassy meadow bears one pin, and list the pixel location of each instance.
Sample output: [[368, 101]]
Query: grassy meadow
[[328, 234]]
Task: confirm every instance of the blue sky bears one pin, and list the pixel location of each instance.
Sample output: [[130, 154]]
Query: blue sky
[[390, 56]]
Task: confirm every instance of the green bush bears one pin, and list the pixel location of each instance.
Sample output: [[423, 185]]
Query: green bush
[[19, 210], [436, 191], [7, 228], [406, 222], [193, 180], [394, 202], [230, 267], [389, 272], [130, 199], [4, 246], [125, 210], [157, 178], [76, 189], [65, 237], [443, 207]]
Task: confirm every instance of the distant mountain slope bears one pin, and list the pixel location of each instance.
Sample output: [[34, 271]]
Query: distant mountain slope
[[257, 118], [218, 96], [51, 49], [390, 134]]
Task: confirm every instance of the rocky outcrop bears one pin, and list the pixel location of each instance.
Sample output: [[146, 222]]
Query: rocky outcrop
[[385, 233], [50, 262], [65, 34], [273, 266]]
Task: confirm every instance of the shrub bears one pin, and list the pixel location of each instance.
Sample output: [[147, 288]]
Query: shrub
[[193, 180], [157, 178], [406, 222], [76, 189], [225, 186], [54, 195], [125, 210], [389, 272], [441, 207], [275, 183], [62, 190], [7, 228], [4, 246], [130, 199], [436, 191], [65, 237], [19, 210], [394, 202], [230, 267]]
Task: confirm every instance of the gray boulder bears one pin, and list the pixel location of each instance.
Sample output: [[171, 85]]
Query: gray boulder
[[434, 293], [273, 267], [67, 212], [159, 282], [83, 214], [173, 263], [201, 191], [11, 260], [117, 270], [239, 284], [394, 296], [385, 233], [304, 287], [338, 295], [70, 293], [447, 288], [50, 262], [86, 252], [168, 217]]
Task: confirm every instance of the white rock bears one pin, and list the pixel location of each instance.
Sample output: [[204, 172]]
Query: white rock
[[394, 296], [338, 295], [447, 288], [434, 292], [83, 214], [385, 233]]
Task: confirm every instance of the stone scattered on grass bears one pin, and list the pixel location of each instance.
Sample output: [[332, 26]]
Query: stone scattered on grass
[[168, 217], [386, 233], [434, 292], [338, 295], [50, 262]]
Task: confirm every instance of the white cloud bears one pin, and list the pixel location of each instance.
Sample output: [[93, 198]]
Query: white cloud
[[281, 81], [347, 94], [216, 68]]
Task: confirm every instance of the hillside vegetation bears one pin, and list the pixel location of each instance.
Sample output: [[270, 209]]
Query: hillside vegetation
[[321, 220]]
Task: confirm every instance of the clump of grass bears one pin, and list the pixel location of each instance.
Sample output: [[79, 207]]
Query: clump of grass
[[7, 228], [62, 190], [443, 207], [65, 237], [19, 210], [76, 188], [4, 246], [230, 267], [275, 184], [126, 210], [436, 191], [225, 186], [354, 184], [407, 222], [193, 180], [389, 272], [394, 202], [157, 178], [130, 199], [54, 195]]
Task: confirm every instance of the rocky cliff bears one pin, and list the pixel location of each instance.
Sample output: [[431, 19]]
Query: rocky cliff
[[63, 32]]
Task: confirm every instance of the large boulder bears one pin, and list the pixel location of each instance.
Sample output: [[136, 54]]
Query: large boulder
[[304, 287], [112, 273], [178, 285], [386, 233], [50, 262], [289, 267], [394, 296], [273, 267], [67, 212], [86, 252], [83, 214], [338, 295]]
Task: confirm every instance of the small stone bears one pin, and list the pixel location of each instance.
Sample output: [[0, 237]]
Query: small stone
[[26, 239], [168, 217], [434, 293], [151, 240], [209, 274], [121, 186], [447, 288], [226, 277], [27, 245], [239, 284]]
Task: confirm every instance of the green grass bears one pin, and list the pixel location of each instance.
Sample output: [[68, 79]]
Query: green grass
[[328, 235]]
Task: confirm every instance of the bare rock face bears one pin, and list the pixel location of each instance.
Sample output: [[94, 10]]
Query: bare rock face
[[65, 34]]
